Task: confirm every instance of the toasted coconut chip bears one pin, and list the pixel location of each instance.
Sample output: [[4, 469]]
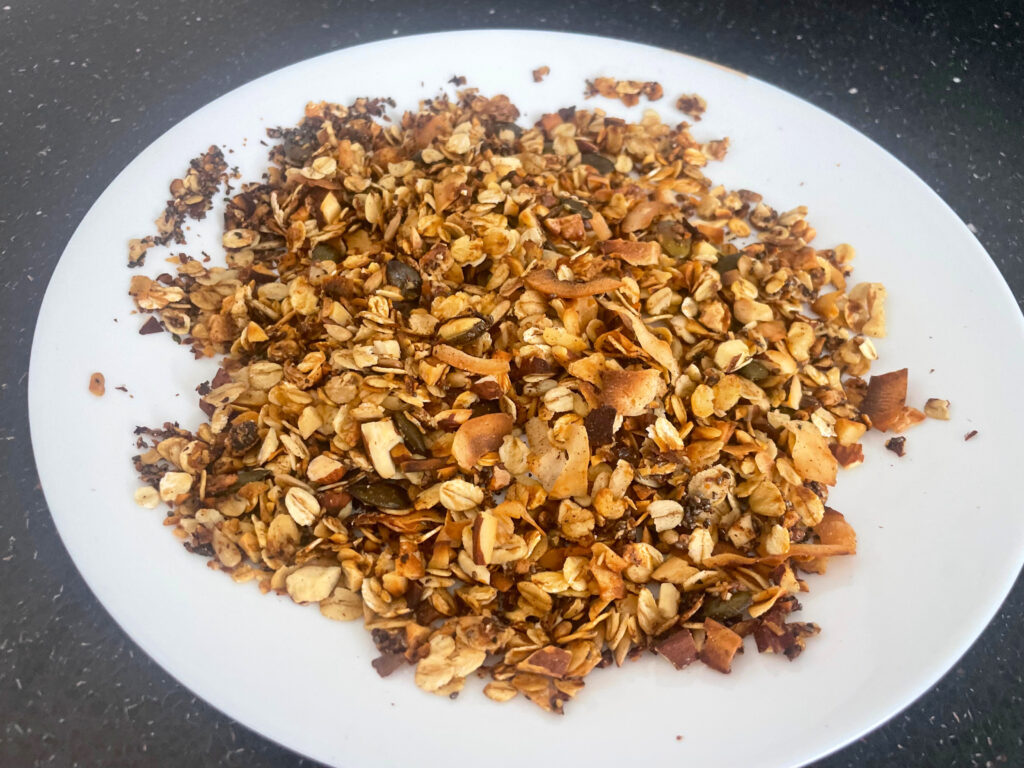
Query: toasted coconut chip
[[639, 254], [550, 661], [812, 458], [573, 479], [907, 418], [659, 349], [720, 645], [545, 461], [885, 399], [642, 215], [479, 436], [833, 530], [678, 648], [731, 559], [483, 366], [630, 392], [545, 281]]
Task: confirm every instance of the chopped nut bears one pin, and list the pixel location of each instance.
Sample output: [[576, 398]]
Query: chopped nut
[[937, 409], [380, 437]]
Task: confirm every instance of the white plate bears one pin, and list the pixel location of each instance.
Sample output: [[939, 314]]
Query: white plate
[[940, 540]]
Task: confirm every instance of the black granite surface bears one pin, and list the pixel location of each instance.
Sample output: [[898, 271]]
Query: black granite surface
[[84, 86]]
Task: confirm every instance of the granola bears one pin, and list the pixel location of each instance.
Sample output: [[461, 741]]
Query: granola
[[526, 400], [626, 91]]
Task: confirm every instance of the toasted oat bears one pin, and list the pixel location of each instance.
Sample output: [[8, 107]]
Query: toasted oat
[[519, 397]]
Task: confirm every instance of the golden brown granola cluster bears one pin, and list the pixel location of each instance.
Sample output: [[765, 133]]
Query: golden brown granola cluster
[[528, 401]]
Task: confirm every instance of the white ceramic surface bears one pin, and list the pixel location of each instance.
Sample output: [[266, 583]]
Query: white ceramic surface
[[941, 538]]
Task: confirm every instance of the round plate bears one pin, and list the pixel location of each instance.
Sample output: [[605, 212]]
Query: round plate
[[939, 543]]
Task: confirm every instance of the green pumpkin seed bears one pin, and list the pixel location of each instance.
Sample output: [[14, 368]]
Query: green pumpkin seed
[[755, 371], [296, 152], [718, 609], [325, 252], [600, 163], [673, 239], [727, 261], [413, 436], [382, 494], [462, 330], [405, 278], [247, 476], [577, 206]]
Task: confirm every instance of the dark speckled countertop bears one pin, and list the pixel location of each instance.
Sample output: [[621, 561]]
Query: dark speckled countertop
[[85, 86]]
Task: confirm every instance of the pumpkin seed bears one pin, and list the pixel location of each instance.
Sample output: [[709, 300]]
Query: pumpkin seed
[[413, 436], [247, 476], [718, 609], [599, 163], [727, 261], [755, 371], [296, 152], [462, 330], [673, 239], [326, 252], [405, 278], [384, 495], [577, 206]]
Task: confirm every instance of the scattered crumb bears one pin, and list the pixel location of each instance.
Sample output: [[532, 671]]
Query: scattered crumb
[[626, 91], [97, 384], [458, 80], [150, 326], [897, 445], [970, 435], [692, 105], [679, 738], [540, 73], [122, 388]]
